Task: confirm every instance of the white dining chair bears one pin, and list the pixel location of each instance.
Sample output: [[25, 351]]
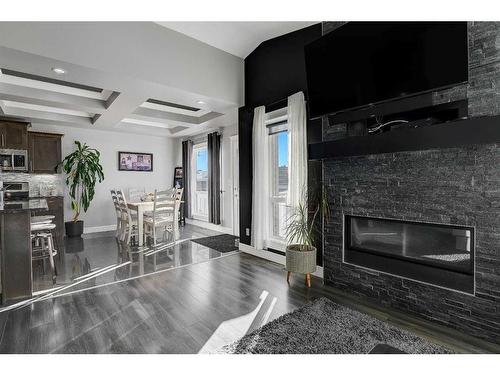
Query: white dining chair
[[178, 193], [164, 215], [128, 222], [118, 213]]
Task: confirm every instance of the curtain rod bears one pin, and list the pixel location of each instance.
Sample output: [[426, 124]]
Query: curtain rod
[[200, 137], [271, 105], [279, 102]]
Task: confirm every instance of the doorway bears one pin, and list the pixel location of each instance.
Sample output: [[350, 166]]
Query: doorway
[[199, 179]]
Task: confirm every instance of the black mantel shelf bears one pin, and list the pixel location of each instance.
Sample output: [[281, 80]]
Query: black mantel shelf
[[479, 130]]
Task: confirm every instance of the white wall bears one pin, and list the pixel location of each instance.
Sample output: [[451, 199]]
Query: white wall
[[101, 212], [226, 177]]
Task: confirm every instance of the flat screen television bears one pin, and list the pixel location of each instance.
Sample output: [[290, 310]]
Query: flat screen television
[[363, 63]]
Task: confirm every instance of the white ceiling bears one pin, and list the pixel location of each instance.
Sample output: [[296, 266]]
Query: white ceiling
[[131, 62], [184, 63], [237, 38]]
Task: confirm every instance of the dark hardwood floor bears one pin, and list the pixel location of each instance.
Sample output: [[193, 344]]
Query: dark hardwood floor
[[196, 308]]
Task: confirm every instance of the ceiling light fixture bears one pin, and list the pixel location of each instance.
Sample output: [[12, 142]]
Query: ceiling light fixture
[[200, 102], [58, 70]]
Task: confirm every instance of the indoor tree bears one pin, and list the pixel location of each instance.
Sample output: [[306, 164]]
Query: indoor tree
[[83, 171]]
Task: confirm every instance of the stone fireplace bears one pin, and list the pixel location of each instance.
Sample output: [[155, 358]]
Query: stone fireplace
[[437, 254], [420, 232], [450, 187]]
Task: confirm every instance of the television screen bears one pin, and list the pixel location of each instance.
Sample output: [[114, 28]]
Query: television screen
[[362, 63]]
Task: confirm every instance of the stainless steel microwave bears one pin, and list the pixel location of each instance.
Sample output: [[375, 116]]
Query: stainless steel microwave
[[13, 160]]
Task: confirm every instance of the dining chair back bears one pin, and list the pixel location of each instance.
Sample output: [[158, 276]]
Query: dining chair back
[[163, 214], [126, 219], [164, 203], [118, 212]]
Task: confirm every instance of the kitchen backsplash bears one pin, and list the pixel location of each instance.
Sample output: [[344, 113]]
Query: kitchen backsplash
[[40, 184]]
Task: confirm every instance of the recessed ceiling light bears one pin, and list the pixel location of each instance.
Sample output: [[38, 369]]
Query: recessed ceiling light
[[200, 102], [58, 70]]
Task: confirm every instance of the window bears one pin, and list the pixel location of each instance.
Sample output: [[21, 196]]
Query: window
[[278, 155], [199, 193]]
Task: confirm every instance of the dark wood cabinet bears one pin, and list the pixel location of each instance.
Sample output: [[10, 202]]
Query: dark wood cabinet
[[56, 208], [44, 152], [14, 135]]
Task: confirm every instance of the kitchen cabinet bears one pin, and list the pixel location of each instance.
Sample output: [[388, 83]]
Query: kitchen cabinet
[[44, 152], [14, 135], [56, 208]]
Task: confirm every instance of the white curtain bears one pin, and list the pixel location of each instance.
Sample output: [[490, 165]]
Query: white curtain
[[297, 149], [260, 197]]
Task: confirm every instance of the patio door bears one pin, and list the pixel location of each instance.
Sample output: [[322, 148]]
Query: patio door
[[199, 178]]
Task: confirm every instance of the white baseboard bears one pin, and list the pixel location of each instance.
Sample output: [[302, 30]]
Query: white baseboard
[[204, 224], [104, 228], [269, 255]]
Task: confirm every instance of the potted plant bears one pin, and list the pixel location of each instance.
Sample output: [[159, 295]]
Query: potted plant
[[83, 171], [300, 231]]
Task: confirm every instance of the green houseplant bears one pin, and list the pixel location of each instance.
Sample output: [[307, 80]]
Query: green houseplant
[[83, 170], [301, 232]]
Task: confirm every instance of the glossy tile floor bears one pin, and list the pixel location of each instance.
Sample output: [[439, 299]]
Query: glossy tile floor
[[100, 258]]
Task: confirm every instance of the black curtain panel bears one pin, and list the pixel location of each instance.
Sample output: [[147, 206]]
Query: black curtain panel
[[214, 178], [187, 152]]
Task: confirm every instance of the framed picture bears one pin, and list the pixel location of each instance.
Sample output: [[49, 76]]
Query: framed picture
[[135, 161], [178, 172]]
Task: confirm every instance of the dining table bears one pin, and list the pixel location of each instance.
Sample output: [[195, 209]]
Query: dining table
[[140, 208]]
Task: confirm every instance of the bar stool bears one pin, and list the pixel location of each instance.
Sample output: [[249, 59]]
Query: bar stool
[[42, 218], [43, 243], [47, 219]]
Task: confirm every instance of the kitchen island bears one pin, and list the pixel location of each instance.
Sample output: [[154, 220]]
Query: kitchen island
[[15, 248]]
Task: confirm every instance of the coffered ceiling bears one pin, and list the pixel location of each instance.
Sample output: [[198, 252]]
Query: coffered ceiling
[[135, 77]]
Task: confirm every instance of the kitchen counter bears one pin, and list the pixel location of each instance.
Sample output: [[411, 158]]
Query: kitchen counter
[[45, 196], [15, 248], [31, 205]]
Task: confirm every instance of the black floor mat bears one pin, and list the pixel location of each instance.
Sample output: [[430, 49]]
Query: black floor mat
[[223, 243]]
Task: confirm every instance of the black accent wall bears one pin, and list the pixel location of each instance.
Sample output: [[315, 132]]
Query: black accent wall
[[276, 68], [456, 185], [273, 71]]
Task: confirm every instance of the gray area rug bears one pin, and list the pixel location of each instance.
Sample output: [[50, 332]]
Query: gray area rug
[[223, 243], [323, 326]]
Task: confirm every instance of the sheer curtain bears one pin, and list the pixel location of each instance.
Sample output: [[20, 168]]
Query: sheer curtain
[[260, 196], [297, 149]]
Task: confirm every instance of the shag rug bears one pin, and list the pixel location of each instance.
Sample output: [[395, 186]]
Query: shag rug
[[223, 243], [323, 326]]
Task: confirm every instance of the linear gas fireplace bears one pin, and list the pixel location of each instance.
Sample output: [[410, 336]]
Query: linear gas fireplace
[[438, 254]]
